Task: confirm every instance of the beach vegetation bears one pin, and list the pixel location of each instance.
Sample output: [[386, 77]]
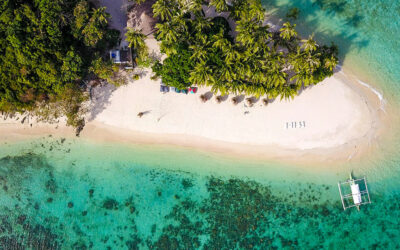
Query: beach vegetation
[[251, 59], [50, 49], [136, 41], [175, 69]]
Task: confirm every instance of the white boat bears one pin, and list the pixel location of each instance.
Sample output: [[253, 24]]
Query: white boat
[[359, 194]]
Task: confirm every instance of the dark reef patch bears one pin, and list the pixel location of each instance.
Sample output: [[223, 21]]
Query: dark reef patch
[[32, 236], [91, 191], [51, 185], [110, 204], [187, 183], [174, 210]]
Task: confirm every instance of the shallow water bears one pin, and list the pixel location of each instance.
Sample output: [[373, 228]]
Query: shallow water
[[58, 193], [63, 194], [366, 32]]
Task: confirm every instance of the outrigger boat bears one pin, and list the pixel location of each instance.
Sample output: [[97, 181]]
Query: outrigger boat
[[358, 194]]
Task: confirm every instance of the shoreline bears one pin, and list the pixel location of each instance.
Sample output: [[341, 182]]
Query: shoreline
[[98, 131], [338, 120]]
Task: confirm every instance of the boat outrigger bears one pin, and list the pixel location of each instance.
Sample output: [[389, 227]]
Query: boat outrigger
[[357, 195]]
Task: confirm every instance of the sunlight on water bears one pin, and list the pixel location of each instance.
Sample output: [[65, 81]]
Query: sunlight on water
[[58, 193], [72, 194], [365, 31]]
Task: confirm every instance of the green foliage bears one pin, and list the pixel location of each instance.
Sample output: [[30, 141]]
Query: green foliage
[[96, 28], [220, 5], [102, 69], [137, 40], [257, 61], [108, 71], [175, 69], [47, 48]]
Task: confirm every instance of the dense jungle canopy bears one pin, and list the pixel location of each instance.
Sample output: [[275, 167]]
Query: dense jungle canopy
[[48, 47]]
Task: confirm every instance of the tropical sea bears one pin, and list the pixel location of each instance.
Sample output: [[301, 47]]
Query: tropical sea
[[70, 193], [62, 193], [366, 32]]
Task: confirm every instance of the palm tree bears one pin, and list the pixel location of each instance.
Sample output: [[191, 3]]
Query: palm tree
[[199, 52], [257, 12], [246, 30], [313, 62], [219, 41], [265, 101], [288, 32], [219, 86], [168, 48], [201, 74], [227, 73], [278, 78], [303, 78], [190, 6], [179, 23], [94, 31], [201, 24], [220, 5], [309, 45], [219, 99], [166, 32], [288, 92], [330, 62], [163, 9], [101, 15], [135, 38], [262, 35], [231, 54]]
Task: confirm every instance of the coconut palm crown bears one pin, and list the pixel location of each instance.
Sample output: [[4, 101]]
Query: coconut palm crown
[[256, 61]]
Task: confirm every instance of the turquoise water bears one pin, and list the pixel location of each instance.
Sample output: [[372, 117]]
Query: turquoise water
[[366, 32], [74, 194], [61, 194]]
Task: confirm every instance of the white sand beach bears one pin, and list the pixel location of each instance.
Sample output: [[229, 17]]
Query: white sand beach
[[327, 115], [336, 119]]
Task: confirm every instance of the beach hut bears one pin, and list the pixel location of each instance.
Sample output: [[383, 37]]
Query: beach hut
[[121, 55], [115, 56], [354, 192]]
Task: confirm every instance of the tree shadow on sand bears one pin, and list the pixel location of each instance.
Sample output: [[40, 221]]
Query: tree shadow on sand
[[100, 99], [141, 16]]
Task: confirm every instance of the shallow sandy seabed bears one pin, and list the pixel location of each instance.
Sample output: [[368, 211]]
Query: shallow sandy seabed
[[336, 120]]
